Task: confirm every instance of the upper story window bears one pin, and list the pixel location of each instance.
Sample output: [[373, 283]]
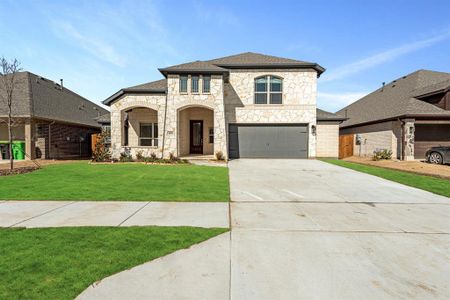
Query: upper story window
[[206, 84], [268, 90], [183, 84], [194, 84]]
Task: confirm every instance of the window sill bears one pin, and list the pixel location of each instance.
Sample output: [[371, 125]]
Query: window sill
[[146, 147]]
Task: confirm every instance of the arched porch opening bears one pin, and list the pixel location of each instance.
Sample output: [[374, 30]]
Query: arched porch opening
[[140, 127], [195, 131]]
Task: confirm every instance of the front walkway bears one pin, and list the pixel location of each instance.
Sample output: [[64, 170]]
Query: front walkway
[[115, 213]]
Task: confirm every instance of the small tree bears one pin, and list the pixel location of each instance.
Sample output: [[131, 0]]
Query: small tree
[[101, 151], [8, 71]]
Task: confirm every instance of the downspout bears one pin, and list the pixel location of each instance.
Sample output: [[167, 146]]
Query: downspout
[[164, 128]]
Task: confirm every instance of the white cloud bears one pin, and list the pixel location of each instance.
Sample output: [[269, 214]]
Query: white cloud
[[95, 46], [336, 101], [382, 57]]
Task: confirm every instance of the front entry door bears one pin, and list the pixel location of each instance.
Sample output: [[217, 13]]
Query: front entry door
[[196, 139]]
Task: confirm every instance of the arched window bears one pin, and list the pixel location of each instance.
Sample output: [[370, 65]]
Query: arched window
[[268, 90]]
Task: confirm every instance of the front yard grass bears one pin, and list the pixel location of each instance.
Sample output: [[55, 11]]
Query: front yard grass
[[125, 182], [59, 263], [428, 183]]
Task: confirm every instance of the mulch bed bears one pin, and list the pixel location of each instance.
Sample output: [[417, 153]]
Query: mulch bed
[[17, 171]]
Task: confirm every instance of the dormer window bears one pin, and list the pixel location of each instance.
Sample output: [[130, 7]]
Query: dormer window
[[268, 90], [183, 84]]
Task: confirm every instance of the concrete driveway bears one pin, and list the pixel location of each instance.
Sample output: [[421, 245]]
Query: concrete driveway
[[304, 229]]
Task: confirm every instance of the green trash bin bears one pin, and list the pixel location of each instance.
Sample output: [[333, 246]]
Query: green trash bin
[[18, 150]]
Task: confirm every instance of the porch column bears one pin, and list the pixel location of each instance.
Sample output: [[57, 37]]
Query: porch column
[[408, 139], [30, 130]]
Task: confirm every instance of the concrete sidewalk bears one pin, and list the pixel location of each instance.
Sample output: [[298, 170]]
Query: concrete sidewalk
[[116, 213], [200, 272]]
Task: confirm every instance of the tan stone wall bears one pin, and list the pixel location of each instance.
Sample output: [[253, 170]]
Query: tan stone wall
[[375, 137], [327, 139], [154, 102], [231, 103], [299, 100], [213, 101]]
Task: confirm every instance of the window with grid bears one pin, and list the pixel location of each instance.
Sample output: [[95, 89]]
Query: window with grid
[[148, 134], [194, 84], [206, 84], [268, 90], [183, 84]]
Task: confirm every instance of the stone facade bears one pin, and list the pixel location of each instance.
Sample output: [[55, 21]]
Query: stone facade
[[230, 100], [299, 100]]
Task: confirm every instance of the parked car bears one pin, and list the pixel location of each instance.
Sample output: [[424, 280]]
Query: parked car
[[438, 155]]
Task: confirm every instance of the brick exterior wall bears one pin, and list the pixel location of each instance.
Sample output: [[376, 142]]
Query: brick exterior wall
[[327, 139], [62, 141], [385, 135]]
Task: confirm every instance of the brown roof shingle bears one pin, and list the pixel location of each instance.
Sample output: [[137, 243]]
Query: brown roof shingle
[[395, 99]]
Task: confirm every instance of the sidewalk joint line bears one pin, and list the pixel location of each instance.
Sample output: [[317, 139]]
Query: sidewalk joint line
[[134, 213], [44, 213]]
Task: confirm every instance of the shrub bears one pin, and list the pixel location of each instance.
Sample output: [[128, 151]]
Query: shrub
[[173, 158], [140, 155], [153, 155], [101, 152], [382, 154], [125, 157], [219, 155]]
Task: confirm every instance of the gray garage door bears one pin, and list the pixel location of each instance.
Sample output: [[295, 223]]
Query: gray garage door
[[268, 141]]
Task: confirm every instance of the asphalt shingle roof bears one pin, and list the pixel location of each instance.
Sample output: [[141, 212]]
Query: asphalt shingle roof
[[242, 60], [396, 99], [322, 115], [42, 98]]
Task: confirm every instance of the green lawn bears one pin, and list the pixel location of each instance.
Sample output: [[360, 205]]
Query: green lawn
[[428, 183], [132, 182], [59, 263]]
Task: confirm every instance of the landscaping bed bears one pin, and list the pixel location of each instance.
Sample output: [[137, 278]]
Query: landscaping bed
[[59, 263], [432, 184], [16, 171], [417, 167], [118, 181]]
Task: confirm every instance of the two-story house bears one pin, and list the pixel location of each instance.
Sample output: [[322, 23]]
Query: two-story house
[[244, 105]]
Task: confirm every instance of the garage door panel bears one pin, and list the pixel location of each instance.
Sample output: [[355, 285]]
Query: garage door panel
[[262, 141], [430, 135]]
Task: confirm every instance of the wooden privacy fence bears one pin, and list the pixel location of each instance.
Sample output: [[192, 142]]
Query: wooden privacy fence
[[345, 145], [94, 138]]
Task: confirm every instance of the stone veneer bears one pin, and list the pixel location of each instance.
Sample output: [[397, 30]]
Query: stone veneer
[[299, 100], [299, 106]]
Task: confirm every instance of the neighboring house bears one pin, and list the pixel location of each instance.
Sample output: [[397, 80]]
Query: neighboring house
[[244, 105], [105, 122], [407, 116], [53, 121]]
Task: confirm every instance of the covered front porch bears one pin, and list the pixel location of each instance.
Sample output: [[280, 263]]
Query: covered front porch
[[196, 132]]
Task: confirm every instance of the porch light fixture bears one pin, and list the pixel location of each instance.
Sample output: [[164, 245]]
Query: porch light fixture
[[313, 129]]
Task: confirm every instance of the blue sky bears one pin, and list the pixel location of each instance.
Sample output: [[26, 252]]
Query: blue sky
[[99, 47]]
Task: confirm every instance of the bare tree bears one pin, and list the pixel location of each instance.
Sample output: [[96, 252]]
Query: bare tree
[[8, 71]]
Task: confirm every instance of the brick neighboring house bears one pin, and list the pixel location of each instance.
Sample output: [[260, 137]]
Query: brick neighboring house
[[53, 121], [408, 116], [244, 105]]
